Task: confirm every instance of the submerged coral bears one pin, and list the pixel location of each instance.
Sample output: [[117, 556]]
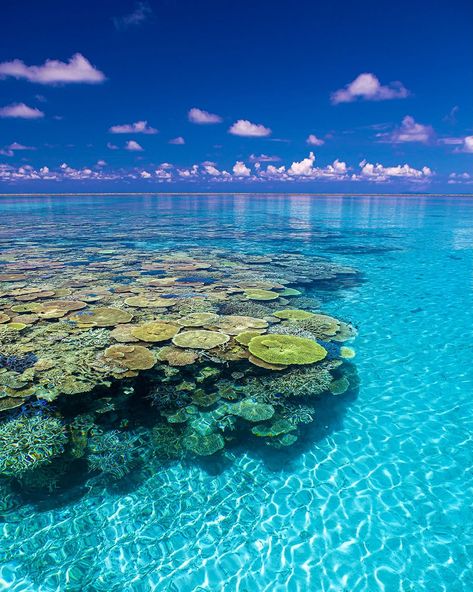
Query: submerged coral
[[113, 453], [29, 441], [18, 363], [218, 342]]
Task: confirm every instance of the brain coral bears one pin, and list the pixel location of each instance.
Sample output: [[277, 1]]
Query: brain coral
[[286, 349]]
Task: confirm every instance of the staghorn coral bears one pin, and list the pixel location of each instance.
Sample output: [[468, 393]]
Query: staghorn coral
[[29, 441], [18, 363], [298, 382], [113, 453]]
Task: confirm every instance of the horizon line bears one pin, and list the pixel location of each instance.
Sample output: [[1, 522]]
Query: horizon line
[[284, 193]]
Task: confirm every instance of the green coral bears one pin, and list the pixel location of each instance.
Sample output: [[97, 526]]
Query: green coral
[[293, 313], [28, 442], [203, 444], [298, 382], [286, 349], [277, 428], [252, 410]]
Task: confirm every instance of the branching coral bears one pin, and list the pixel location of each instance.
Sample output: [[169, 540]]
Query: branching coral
[[28, 442], [299, 382], [18, 363], [113, 453]]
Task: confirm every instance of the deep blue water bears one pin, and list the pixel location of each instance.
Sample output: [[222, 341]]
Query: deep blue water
[[378, 494]]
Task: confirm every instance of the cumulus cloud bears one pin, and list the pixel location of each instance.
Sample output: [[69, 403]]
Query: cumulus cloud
[[202, 117], [137, 17], [245, 128], [241, 170], [409, 131], [139, 127], [133, 146], [77, 70], [20, 111], [303, 171], [178, 141], [468, 144], [380, 173], [367, 87], [111, 146], [313, 140], [460, 178], [304, 168]]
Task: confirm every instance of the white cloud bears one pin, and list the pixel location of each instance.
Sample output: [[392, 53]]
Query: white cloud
[[77, 70], [245, 128], [17, 146], [200, 116], [379, 173], [139, 127], [460, 178], [451, 141], [367, 87], [133, 146], [263, 158], [145, 175], [212, 170], [468, 144], [137, 17], [20, 111], [111, 146], [179, 140], [313, 140], [101, 163], [410, 131], [304, 168], [241, 170]]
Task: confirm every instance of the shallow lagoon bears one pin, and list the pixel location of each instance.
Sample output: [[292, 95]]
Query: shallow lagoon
[[374, 494]]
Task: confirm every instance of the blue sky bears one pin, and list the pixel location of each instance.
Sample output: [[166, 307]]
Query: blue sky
[[249, 96]]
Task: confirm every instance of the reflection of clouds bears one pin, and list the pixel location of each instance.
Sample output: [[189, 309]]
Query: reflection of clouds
[[462, 239]]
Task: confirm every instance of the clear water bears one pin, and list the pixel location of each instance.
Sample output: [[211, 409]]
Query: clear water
[[378, 494]]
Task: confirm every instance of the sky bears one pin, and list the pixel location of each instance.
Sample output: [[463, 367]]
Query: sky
[[169, 95]]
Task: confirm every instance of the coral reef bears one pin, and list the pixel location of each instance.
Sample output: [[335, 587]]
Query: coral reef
[[286, 349], [113, 453], [200, 346], [29, 441]]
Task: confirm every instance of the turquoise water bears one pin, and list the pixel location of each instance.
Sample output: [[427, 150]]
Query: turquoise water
[[377, 495]]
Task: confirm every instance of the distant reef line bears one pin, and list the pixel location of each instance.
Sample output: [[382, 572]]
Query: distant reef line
[[256, 194]]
